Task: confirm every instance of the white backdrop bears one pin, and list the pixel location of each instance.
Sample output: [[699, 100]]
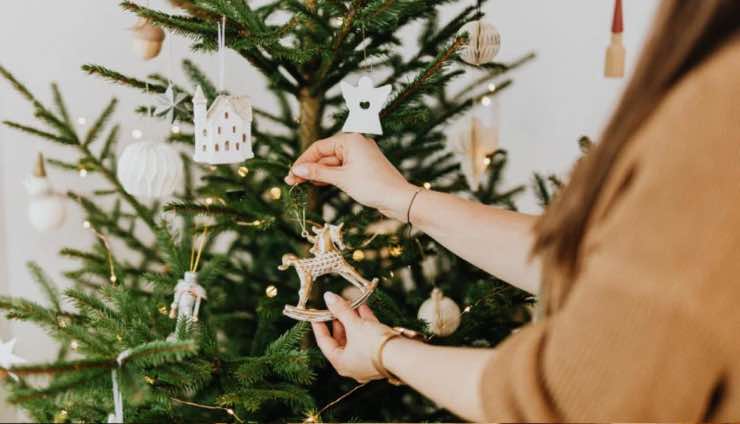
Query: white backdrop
[[554, 100]]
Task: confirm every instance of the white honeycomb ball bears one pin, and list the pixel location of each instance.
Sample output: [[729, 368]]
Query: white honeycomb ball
[[150, 169], [484, 43], [46, 212], [441, 314]]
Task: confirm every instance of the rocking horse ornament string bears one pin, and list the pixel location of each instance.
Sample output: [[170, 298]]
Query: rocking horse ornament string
[[327, 259]]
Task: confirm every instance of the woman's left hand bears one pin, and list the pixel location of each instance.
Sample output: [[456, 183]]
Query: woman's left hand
[[354, 338]]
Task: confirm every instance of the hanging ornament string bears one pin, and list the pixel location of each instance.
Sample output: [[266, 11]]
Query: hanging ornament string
[[111, 265], [195, 257], [117, 416], [221, 53]]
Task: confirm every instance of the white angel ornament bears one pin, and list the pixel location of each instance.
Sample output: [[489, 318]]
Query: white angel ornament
[[364, 103]]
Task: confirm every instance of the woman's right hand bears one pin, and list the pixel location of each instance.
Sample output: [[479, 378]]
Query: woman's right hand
[[355, 165]]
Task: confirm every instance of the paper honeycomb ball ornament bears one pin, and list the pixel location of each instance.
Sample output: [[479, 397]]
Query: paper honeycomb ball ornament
[[441, 314], [223, 133], [150, 169], [484, 43], [148, 39], [46, 210], [472, 145]]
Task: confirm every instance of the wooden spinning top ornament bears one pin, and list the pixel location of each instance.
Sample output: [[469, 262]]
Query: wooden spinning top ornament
[[148, 39], [327, 259], [615, 53]]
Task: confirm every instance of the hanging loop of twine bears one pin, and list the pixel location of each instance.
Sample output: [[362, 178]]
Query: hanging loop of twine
[[221, 51]]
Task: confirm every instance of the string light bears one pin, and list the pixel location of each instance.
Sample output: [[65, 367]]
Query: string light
[[175, 129], [358, 255], [83, 172], [74, 345], [427, 186], [467, 309], [149, 380], [212, 168], [275, 193], [213, 408], [487, 161], [209, 201], [271, 291], [395, 251], [137, 134], [86, 224], [162, 309], [243, 171], [113, 279], [491, 87], [82, 120], [485, 101]]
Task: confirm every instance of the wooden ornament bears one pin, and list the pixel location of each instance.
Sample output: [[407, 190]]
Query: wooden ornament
[[223, 134], [327, 259], [441, 314], [615, 53], [148, 39], [46, 209], [484, 43]]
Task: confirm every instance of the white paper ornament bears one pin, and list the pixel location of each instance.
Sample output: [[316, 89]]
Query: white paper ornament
[[441, 314], [364, 103], [7, 358], [484, 43], [223, 134], [187, 298], [148, 39], [46, 209], [168, 103], [472, 144], [150, 169]]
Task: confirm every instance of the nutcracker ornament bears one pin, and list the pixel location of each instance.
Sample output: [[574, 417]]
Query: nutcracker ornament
[[188, 295], [327, 259]]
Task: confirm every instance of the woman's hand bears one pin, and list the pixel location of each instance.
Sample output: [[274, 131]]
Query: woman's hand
[[353, 341], [356, 166]]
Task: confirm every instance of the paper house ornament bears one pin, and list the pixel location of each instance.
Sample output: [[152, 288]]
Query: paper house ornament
[[364, 103], [223, 134]]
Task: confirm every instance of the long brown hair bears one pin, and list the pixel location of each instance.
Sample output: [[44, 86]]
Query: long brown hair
[[685, 33]]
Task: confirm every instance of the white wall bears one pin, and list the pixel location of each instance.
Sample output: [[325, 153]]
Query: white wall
[[556, 99]]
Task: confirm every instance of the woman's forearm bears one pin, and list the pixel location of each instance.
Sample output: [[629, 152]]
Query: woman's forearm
[[451, 377], [495, 240]]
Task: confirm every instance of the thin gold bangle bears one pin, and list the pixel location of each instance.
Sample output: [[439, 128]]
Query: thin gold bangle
[[378, 359]]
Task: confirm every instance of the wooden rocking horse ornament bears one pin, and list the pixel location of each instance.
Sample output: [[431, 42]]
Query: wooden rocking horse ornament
[[327, 259]]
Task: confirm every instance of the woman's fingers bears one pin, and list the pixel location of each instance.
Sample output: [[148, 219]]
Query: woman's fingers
[[329, 347], [337, 330], [341, 310], [328, 147], [367, 313]]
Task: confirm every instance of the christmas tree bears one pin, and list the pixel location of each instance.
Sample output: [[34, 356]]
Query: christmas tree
[[239, 359]]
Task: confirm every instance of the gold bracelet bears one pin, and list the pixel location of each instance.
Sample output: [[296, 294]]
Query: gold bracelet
[[378, 357]]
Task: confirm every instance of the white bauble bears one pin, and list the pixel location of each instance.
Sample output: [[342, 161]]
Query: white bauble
[[441, 314], [150, 169], [484, 42], [46, 212]]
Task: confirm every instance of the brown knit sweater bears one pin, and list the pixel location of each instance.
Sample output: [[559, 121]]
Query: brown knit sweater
[[650, 330]]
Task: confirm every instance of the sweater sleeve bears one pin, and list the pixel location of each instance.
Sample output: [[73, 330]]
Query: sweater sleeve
[[647, 328]]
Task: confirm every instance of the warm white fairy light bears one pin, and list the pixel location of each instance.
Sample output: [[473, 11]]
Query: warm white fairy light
[[271, 291], [487, 161], [82, 120], [485, 101], [243, 171], [113, 279], [427, 186], [137, 134], [83, 172], [358, 255], [492, 87], [275, 193], [175, 129], [209, 201], [74, 345], [86, 224]]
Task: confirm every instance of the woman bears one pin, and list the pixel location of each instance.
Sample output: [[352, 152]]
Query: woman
[[639, 256]]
